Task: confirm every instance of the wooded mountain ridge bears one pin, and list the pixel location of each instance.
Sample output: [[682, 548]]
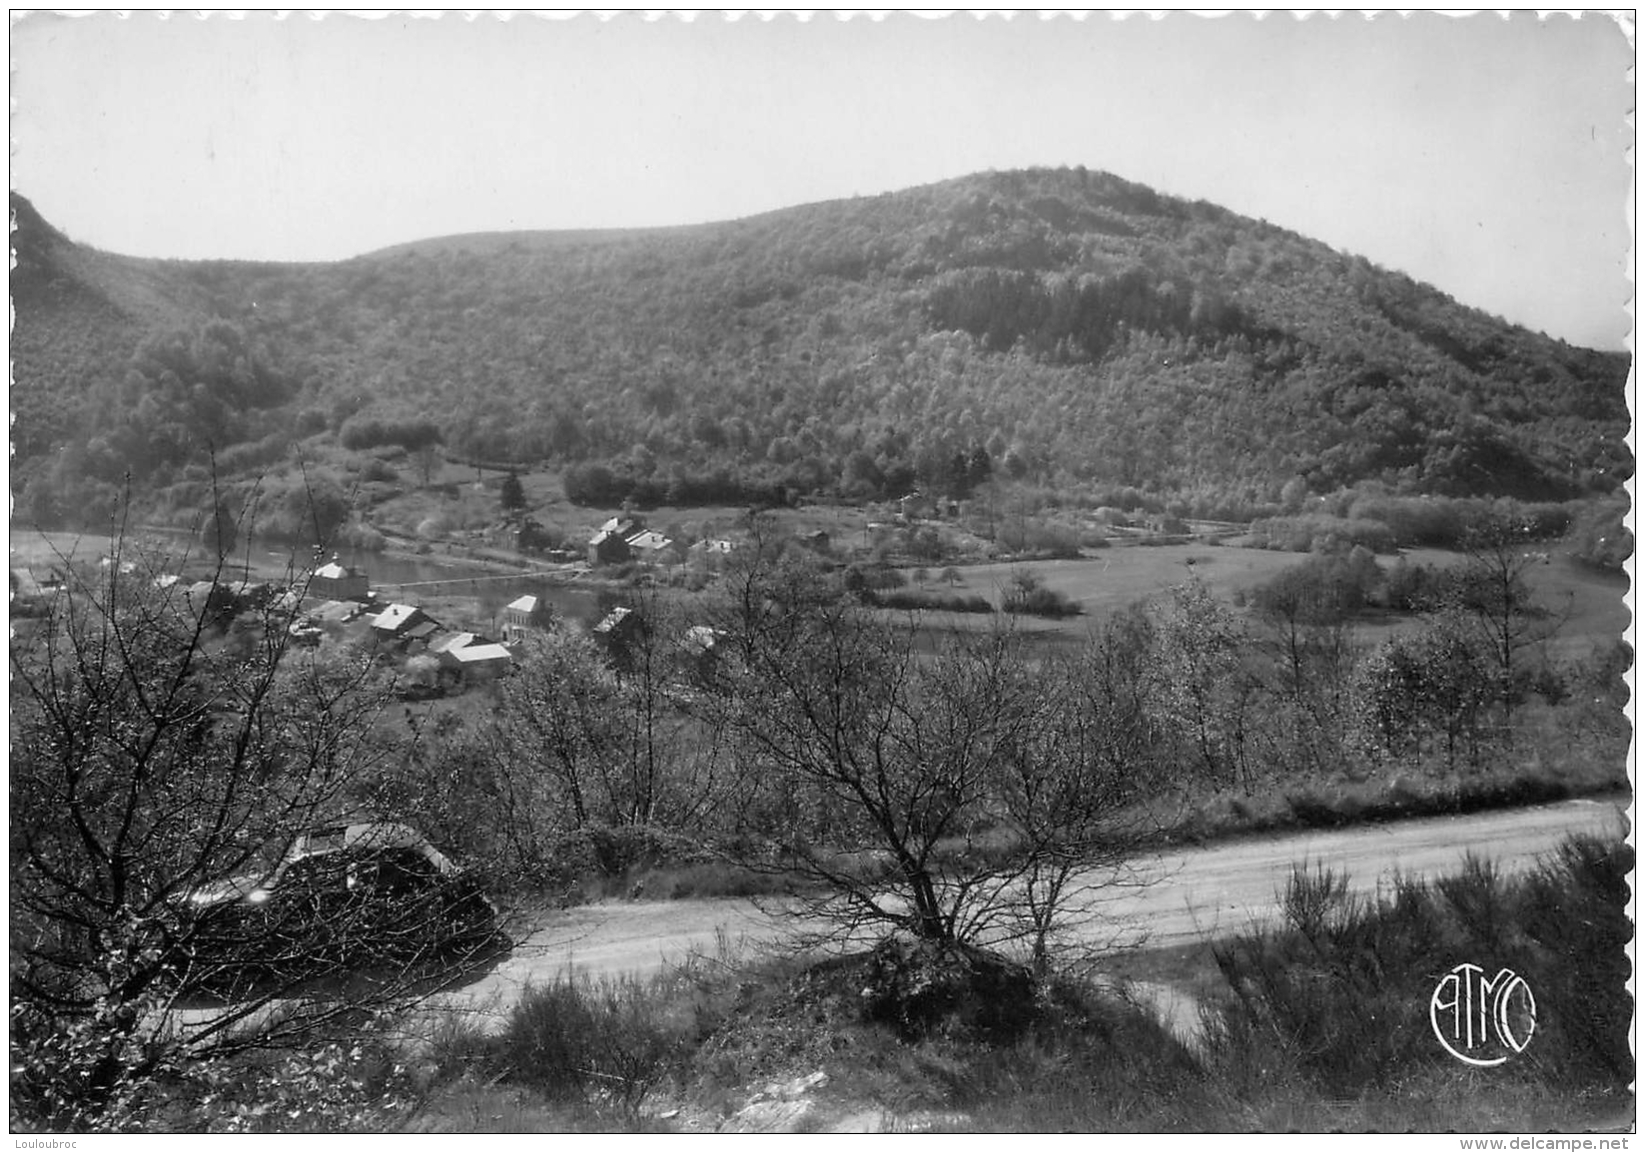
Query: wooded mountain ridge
[[1065, 328]]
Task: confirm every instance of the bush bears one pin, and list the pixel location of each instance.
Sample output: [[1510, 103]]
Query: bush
[[868, 580], [359, 535], [912, 601], [1413, 587], [1600, 538], [1326, 999], [1573, 907], [1029, 597], [333, 1088], [599, 1042], [1434, 522], [1321, 589], [928, 987], [1039, 537], [617, 849], [379, 471]]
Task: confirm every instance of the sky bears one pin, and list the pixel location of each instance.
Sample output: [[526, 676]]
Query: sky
[[1489, 156]]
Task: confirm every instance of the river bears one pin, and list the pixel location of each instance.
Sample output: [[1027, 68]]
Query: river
[[416, 579]]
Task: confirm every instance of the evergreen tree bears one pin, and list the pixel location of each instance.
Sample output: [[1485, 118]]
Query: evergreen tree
[[513, 495]]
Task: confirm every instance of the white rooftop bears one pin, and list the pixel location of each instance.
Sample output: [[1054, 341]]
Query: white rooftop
[[393, 617], [335, 571]]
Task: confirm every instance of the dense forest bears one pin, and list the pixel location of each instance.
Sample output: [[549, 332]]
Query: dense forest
[[1064, 328]]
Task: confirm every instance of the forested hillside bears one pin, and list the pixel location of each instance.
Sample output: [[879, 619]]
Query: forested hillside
[[1066, 328]]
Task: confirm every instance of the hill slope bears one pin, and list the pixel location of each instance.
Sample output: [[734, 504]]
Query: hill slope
[[1063, 327]]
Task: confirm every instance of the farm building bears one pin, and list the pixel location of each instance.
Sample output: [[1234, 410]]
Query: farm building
[[338, 582], [623, 538], [444, 644], [650, 547], [607, 548], [479, 661], [403, 623]]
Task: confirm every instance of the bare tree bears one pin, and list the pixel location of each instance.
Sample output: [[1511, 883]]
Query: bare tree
[[150, 760], [1493, 593], [587, 744], [1082, 796], [949, 789]]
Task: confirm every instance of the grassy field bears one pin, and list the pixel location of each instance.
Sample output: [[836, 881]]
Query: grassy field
[[1115, 578], [1587, 601], [41, 550]]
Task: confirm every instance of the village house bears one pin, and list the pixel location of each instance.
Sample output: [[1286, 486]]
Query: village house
[[339, 582], [914, 506], [624, 538], [403, 623], [524, 615], [445, 641], [463, 657], [711, 552], [480, 661], [442, 644], [650, 547], [609, 545], [210, 600]]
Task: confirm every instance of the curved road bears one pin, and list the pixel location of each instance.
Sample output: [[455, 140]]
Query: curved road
[[1183, 896]]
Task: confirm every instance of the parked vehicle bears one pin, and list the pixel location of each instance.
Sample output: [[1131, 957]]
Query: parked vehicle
[[347, 897]]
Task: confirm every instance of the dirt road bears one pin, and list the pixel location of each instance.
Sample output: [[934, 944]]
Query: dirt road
[[1189, 895]]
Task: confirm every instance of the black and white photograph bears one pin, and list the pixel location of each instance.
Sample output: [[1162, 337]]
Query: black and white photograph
[[626, 573]]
